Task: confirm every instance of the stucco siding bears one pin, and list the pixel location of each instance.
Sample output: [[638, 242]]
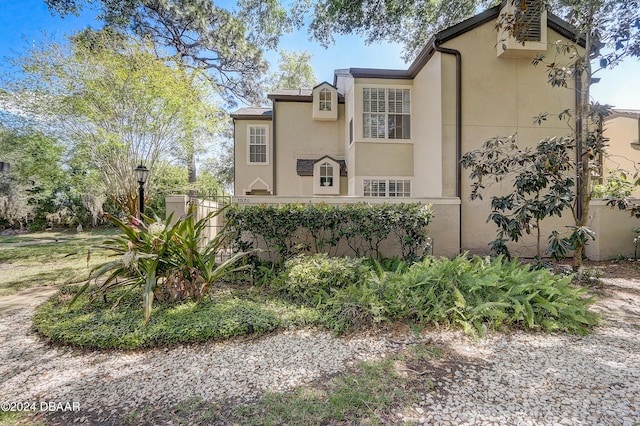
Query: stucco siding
[[500, 97], [383, 159], [427, 130], [298, 136], [623, 151]]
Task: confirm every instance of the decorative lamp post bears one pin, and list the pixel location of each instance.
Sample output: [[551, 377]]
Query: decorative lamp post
[[141, 175]]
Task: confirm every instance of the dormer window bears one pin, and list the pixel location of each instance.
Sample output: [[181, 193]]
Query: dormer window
[[326, 174], [325, 102], [325, 99]]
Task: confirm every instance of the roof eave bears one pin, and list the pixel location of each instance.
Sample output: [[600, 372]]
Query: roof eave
[[294, 98], [379, 73], [298, 98], [251, 117]]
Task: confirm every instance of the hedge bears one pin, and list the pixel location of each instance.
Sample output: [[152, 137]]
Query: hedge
[[290, 229]]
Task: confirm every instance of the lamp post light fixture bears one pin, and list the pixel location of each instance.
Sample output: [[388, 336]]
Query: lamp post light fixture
[[141, 175]]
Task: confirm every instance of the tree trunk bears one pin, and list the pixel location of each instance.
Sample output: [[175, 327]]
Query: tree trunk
[[583, 82]]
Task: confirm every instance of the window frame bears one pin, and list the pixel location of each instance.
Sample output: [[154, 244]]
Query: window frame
[[386, 185], [379, 109], [326, 174], [325, 99], [265, 128]]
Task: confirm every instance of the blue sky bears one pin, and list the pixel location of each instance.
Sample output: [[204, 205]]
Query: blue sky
[[23, 22]]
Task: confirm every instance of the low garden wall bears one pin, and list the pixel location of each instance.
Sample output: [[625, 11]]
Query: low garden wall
[[613, 227], [614, 232]]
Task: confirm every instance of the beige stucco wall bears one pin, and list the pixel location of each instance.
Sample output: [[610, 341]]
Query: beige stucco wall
[[246, 174], [177, 206], [500, 97], [614, 232], [349, 144], [298, 136], [623, 151], [427, 130], [306, 186], [383, 159]]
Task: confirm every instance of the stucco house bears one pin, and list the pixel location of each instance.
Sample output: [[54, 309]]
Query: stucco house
[[379, 135], [622, 128]]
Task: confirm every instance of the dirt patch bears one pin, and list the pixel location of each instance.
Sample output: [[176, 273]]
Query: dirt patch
[[616, 285]]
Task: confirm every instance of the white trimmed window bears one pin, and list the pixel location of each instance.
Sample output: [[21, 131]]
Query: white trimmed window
[[387, 188], [326, 174], [257, 152], [399, 188], [386, 113], [324, 100], [326, 177]]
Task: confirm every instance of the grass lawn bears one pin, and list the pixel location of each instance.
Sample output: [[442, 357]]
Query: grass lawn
[[49, 258]]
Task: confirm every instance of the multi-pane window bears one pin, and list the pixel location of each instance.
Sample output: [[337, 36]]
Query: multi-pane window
[[325, 100], [387, 188], [386, 113], [399, 188], [257, 144], [375, 188], [326, 174]]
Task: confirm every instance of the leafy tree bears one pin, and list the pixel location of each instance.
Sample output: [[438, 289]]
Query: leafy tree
[[294, 71], [410, 23], [618, 191], [173, 179], [227, 44], [14, 202], [116, 105], [35, 176], [221, 168], [542, 187]]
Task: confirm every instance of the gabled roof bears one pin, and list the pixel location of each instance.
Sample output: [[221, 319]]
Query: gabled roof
[[253, 113], [304, 167], [554, 22], [324, 83], [299, 95]]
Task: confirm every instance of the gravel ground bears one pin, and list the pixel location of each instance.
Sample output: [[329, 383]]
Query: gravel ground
[[505, 379]]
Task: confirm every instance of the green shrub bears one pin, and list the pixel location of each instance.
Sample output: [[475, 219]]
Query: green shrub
[[472, 294], [291, 229], [168, 260], [312, 280], [353, 307], [617, 185]]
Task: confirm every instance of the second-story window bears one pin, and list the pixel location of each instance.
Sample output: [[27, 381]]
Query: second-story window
[[257, 145], [386, 113], [325, 100]]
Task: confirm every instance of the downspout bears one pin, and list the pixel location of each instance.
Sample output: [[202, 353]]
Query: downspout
[[578, 101], [273, 146], [458, 56]]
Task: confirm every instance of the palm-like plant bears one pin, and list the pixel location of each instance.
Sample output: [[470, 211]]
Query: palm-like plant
[[167, 261]]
